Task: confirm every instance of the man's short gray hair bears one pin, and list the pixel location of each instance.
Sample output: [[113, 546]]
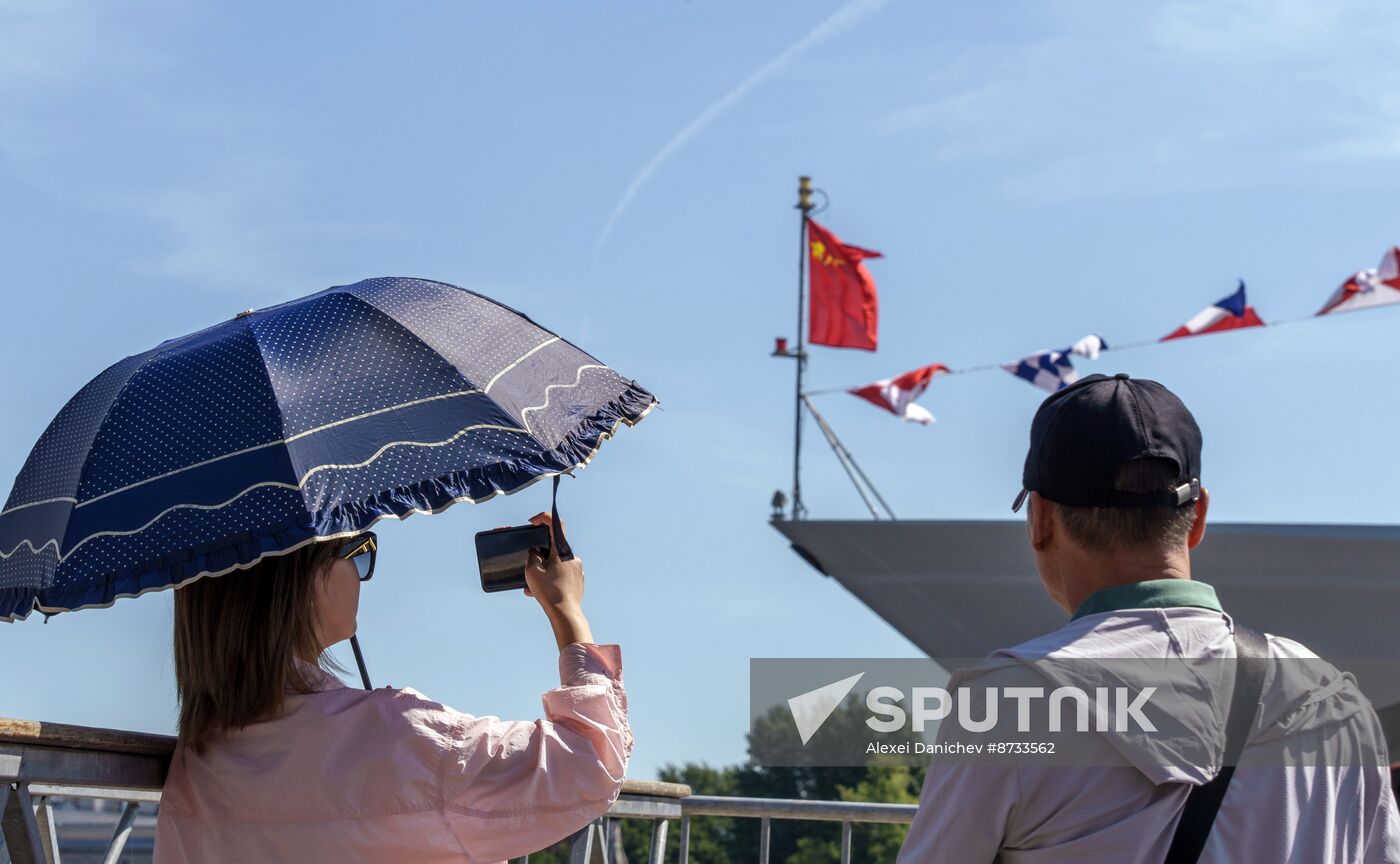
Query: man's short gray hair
[[1122, 529]]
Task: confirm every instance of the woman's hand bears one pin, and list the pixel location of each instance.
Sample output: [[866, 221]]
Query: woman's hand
[[558, 586]]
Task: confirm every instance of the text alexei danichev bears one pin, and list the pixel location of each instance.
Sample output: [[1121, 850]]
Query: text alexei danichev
[[957, 748], [905, 748]]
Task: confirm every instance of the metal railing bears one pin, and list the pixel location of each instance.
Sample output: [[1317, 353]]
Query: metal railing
[[590, 845], [43, 762]]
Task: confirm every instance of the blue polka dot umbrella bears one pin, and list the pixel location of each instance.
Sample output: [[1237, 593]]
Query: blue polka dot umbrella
[[301, 422]]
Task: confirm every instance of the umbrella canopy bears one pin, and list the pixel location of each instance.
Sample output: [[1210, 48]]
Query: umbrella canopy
[[301, 422]]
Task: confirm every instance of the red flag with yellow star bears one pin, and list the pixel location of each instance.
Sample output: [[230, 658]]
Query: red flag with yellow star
[[844, 309]]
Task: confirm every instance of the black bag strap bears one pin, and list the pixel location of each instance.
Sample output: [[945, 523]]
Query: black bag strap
[[561, 546], [1252, 655]]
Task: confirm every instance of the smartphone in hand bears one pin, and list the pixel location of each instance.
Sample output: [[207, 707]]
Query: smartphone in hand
[[502, 555]]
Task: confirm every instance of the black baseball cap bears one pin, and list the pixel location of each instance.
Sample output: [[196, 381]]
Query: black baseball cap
[[1084, 434]]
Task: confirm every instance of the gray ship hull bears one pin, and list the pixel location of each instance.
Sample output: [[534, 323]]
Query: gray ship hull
[[960, 589]]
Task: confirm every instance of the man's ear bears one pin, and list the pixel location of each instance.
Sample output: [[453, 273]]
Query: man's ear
[[1040, 522], [1198, 527]]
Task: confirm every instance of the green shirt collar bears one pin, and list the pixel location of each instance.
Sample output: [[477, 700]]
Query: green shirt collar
[[1152, 594]]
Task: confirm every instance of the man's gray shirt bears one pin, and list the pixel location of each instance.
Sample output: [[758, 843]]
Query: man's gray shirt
[[1338, 810]]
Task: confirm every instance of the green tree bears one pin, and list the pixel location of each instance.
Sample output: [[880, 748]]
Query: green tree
[[886, 784], [774, 769], [712, 839]]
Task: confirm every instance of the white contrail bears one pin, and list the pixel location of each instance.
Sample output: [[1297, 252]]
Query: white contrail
[[841, 20]]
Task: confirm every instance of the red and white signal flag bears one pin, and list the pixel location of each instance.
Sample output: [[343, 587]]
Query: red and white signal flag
[[897, 395], [1366, 288]]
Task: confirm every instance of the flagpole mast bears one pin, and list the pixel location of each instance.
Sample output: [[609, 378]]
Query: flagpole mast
[[804, 205]]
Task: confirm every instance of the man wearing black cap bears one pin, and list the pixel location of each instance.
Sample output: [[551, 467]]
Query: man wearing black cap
[[1112, 480]]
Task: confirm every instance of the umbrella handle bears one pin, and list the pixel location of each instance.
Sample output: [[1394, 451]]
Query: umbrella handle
[[561, 546], [360, 661]]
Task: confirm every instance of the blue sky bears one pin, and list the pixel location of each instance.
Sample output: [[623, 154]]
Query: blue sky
[[1032, 172]]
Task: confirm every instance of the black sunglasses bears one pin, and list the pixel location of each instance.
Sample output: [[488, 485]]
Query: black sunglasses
[[361, 549]]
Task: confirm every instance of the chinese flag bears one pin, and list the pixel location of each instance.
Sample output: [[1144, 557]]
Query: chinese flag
[[844, 309]]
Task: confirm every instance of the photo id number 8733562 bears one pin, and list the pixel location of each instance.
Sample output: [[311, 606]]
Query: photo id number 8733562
[[1020, 747]]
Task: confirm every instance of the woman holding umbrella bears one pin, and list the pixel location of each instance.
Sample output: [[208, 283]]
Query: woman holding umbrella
[[279, 761], [244, 465]]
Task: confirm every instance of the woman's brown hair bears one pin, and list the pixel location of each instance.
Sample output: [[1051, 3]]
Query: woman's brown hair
[[244, 640]]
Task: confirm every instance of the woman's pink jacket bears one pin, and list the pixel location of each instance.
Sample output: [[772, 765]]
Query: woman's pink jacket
[[391, 776]]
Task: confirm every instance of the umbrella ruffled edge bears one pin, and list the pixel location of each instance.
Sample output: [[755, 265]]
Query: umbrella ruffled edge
[[14, 599], [433, 495]]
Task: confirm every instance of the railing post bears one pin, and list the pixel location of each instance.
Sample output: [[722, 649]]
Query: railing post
[[20, 827], [121, 834], [846, 842], [583, 842], [765, 837], [658, 842], [581, 845], [685, 839], [613, 837], [48, 831]]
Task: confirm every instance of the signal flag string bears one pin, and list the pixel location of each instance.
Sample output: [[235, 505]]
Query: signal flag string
[[1130, 346]]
